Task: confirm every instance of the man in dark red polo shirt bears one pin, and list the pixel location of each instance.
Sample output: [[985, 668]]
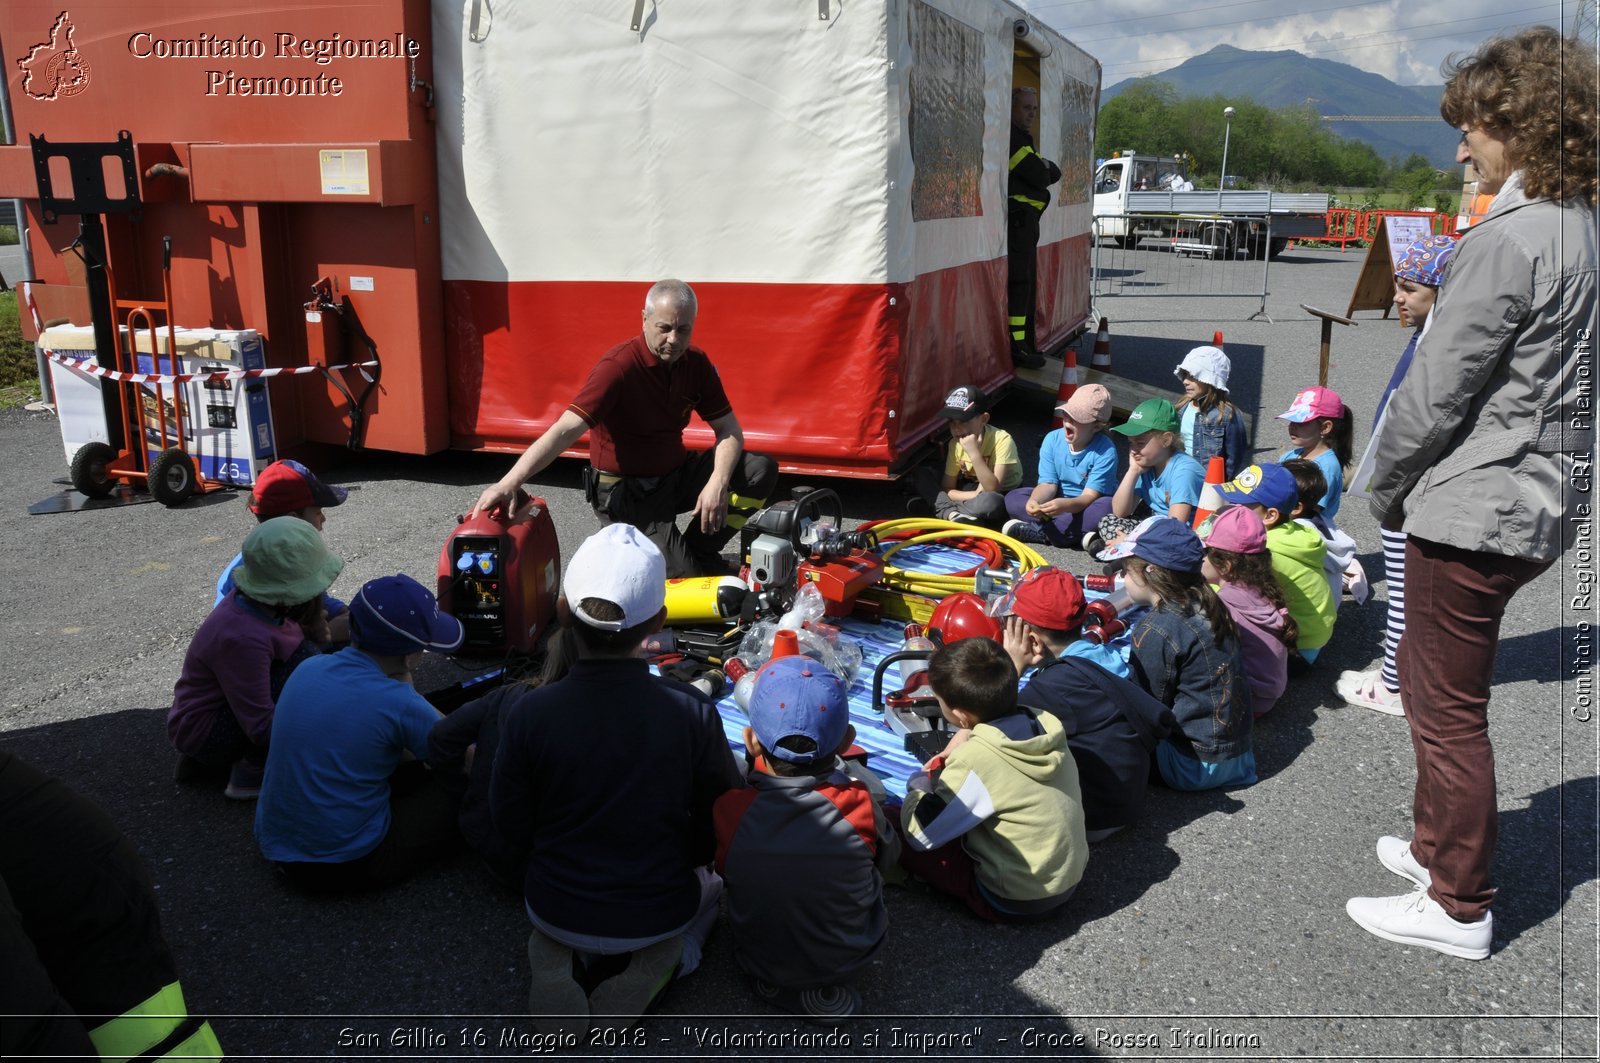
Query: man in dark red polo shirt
[[635, 406]]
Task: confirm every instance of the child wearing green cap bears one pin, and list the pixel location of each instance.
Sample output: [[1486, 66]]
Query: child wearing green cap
[[240, 658], [1161, 480]]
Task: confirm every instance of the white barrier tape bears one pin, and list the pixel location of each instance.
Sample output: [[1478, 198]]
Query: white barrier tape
[[86, 366]]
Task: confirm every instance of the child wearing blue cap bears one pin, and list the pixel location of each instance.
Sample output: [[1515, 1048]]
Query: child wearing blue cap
[[1417, 278], [804, 847], [342, 808], [1298, 551], [1185, 652]]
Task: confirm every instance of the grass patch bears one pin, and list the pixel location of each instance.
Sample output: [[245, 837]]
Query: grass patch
[[19, 372]]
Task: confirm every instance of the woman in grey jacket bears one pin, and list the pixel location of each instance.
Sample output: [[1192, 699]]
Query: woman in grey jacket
[[1479, 456]]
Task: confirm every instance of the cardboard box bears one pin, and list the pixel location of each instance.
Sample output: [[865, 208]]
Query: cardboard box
[[227, 423]]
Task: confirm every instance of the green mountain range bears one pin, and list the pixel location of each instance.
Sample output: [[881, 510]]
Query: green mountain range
[[1289, 79]]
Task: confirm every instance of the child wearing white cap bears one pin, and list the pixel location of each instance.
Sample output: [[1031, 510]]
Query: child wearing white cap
[[1207, 418], [606, 778]]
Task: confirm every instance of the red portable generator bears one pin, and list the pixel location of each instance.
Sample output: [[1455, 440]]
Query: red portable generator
[[500, 577]]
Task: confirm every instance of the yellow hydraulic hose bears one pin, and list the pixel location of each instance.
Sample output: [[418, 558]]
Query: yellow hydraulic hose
[[936, 585]]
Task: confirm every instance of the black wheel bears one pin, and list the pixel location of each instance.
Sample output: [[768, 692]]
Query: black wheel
[[1220, 238], [1278, 245], [91, 469], [172, 477]]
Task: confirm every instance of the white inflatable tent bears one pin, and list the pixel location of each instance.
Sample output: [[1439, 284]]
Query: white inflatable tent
[[828, 174]]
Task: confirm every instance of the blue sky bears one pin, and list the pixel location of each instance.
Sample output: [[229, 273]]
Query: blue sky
[[1404, 41]]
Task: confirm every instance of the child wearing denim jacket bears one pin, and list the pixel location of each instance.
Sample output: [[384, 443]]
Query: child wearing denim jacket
[[1186, 653], [1207, 418]]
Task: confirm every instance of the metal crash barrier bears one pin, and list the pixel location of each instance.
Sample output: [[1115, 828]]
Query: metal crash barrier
[[1187, 256]]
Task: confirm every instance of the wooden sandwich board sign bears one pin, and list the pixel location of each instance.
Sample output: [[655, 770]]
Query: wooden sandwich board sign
[[1375, 287]]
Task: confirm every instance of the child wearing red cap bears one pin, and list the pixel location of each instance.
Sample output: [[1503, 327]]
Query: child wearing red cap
[[1237, 563], [1112, 724], [804, 847], [289, 489]]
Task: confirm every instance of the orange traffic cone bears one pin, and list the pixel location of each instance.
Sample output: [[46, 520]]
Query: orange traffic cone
[[1216, 338], [1069, 381], [785, 644], [1210, 501], [1100, 356]]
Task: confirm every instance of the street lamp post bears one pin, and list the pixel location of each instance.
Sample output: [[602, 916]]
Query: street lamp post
[[1227, 115]]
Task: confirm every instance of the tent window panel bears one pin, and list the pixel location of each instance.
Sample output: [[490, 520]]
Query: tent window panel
[[946, 121], [1076, 157]]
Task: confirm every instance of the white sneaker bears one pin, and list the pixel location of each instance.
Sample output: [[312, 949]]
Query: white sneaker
[[1417, 919], [1355, 675], [1395, 854], [1368, 692]]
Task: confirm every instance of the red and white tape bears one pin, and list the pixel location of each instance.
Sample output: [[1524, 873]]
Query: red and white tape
[[85, 366]]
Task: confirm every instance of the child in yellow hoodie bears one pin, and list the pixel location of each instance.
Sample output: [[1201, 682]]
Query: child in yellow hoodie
[[1298, 551]]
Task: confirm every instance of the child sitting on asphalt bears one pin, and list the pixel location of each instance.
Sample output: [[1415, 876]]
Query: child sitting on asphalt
[[347, 805], [996, 819], [1320, 427], [803, 849], [1161, 479], [241, 656], [289, 489], [1297, 551], [1236, 561], [1112, 725], [1185, 652], [981, 463], [606, 778], [1209, 420], [1343, 569], [1077, 474]]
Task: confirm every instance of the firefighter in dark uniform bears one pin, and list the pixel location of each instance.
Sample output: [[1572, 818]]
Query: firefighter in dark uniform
[[1028, 193], [635, 405], [84, 970]]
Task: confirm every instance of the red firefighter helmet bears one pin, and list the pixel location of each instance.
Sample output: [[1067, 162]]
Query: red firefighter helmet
[[964, 616]]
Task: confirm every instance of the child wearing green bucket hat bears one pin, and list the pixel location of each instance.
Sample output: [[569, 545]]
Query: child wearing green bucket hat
[[1161, 481], [239, 659]]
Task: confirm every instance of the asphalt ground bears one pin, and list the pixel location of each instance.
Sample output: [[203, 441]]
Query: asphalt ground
[[1215, 928]]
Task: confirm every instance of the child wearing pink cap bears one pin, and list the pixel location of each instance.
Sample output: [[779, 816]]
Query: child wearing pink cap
[[1237, 563], [1320, 429], [1077, 476]]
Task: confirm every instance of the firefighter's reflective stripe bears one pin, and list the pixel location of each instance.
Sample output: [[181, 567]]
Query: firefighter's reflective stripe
[[1036, 204], [1020, 154], [741, 507], [147, 1026], [1019, 327]]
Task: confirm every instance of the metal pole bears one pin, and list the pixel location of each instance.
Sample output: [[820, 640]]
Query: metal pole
[[1227, 132]]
